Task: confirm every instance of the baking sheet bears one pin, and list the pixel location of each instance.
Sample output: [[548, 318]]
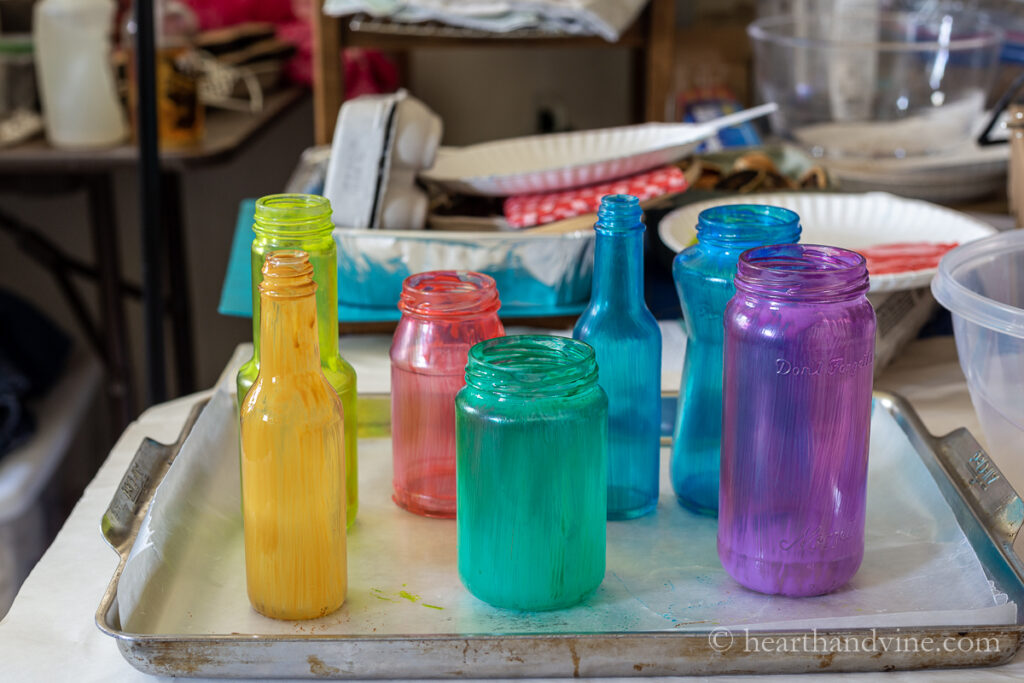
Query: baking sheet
[[186, 573]]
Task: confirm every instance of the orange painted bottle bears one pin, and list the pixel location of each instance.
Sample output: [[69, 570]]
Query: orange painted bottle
[[293, 456]]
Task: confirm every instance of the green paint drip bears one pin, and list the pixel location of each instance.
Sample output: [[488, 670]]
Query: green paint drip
[[432, 606], [408, 596]]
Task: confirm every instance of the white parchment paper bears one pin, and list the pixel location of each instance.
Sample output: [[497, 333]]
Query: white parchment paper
[[186, 572]]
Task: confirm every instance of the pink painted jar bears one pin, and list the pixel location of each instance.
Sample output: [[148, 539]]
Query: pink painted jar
[[444, 313]]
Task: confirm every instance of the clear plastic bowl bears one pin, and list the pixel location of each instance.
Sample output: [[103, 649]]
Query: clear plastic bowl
[[982, 285], [877, 84]]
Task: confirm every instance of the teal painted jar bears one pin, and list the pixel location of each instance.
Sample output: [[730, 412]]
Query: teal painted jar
[[531, 471]]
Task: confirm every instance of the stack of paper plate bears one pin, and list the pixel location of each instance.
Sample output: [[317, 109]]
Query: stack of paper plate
[[852, 221], [967, 173]]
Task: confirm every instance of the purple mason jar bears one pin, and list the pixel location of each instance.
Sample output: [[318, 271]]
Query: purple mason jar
[[798, 360]]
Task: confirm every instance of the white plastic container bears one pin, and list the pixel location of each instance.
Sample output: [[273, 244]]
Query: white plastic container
[[380, 143], [80, 103], [982, 284], [35, 476]]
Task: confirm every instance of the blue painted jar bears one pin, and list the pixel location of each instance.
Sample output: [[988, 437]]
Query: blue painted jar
[[704, 275]]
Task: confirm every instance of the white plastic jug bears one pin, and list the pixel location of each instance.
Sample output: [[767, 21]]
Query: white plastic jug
[[80, 103]]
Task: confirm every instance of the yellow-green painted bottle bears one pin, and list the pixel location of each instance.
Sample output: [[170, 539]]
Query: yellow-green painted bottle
[[303, 221]]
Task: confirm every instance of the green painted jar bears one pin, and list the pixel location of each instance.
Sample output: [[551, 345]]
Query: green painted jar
[[531, 450], [303, 221]]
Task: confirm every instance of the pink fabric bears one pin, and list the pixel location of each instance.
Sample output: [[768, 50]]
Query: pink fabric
[[526, 210], [366, 71], [220, 13]]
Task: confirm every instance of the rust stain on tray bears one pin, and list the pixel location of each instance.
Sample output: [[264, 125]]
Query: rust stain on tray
[[318, 668], [575, 659], [175, 660]]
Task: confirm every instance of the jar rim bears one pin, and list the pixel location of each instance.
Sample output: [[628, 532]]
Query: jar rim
[[532, 365], [747, 225], [802, 272], [293, 214], [449, 293], [287, 274], [619, 213]]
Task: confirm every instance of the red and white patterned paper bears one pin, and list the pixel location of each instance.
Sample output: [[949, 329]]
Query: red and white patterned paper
[[904, 257], [528, 210]]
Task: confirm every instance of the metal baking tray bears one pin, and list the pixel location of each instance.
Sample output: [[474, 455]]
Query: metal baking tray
[[554, 644]]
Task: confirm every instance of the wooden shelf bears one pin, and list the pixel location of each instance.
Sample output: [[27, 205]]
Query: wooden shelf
[[651, 37]]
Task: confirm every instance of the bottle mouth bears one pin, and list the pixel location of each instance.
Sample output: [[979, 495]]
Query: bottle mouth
[[619, 213], [802, 272], [294, 215], [449, 293], [532, 365], [287, 273], [747, 225]]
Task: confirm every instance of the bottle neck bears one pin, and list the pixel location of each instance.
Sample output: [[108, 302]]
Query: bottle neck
[[288, 315], [618, 268], [288, 327], [619, 254]]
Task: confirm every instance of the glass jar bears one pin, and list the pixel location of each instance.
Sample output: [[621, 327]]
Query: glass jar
[[303, 221], [177, 73], [704, 280], [444, 313], [799, 354], [531, 438], [292, 461], [627, 341]]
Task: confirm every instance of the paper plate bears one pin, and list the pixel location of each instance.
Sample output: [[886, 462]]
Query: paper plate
[[967, 173], [545, 163], [852, 221]]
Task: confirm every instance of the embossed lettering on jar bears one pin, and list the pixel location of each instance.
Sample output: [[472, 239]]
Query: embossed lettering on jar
[[796, 413]]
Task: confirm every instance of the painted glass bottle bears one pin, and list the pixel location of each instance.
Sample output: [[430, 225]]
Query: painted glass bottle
[[293, 457], [531, 438], [444, 313], [303, 221], [627, 341], [704, 280], [799, 354]]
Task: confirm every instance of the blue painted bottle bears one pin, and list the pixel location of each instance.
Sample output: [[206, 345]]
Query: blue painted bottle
[[619, 326], [704, 276]]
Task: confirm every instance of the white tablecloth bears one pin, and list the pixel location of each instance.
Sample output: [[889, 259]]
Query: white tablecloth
[[50, 634]]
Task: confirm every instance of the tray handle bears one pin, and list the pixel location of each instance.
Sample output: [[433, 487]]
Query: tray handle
[[124, 515], [967, 467], [988, 493]]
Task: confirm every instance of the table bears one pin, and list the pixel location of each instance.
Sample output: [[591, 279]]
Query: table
[[49, 634], [35, 166]]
